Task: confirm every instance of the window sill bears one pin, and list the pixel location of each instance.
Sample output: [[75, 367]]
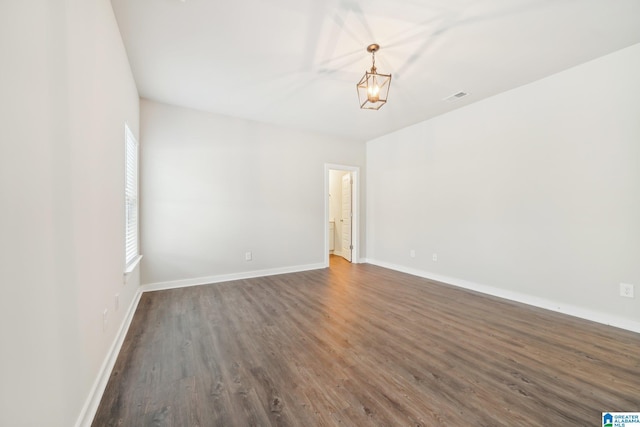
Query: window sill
[[132, 265]]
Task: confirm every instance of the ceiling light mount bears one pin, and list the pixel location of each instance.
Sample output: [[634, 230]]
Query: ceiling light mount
[[373, 87], [372, 48]]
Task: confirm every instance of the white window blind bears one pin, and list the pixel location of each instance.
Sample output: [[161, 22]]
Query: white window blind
[[132, 250]]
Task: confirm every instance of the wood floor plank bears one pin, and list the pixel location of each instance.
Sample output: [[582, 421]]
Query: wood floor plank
[[358, 345]]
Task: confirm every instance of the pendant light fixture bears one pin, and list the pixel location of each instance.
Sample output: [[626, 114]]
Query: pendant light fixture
[[373, 87]]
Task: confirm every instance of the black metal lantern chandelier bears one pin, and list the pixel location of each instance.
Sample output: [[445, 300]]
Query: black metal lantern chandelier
[[373, 87]]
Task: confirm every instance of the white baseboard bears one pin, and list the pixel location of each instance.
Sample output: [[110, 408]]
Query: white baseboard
[[97, 390], [583, 313], [228, 277]]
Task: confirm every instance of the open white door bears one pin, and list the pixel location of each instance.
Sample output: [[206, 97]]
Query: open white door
[[347, 214], [346, 245]]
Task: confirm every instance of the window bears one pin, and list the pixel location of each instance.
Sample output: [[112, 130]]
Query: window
[[132, 250]]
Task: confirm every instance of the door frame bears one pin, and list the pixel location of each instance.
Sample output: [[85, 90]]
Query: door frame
[[355, 209]]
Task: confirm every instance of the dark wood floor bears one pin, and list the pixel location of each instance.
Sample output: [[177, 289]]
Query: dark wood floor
[[359, 345]]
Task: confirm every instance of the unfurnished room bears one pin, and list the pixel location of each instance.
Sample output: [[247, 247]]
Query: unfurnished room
[[320, 213]]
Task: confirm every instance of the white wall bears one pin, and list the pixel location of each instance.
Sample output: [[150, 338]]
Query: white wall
[[65, 93], [216, 187], [532, 194]]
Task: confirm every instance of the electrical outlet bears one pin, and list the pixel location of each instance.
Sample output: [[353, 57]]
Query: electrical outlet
[[116, 303], [248, 256], [626, 290], [412, 253], [104, 319], [435, 257]]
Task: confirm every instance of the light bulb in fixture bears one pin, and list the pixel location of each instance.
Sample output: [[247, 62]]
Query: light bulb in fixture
[[373, 92]]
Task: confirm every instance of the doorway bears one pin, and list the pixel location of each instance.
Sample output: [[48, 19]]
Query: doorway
[[341, 212]]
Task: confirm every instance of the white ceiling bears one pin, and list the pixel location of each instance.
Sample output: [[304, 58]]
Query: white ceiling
[[296, 63]]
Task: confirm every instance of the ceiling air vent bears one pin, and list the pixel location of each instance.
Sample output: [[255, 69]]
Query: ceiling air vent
[[456, 96]]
